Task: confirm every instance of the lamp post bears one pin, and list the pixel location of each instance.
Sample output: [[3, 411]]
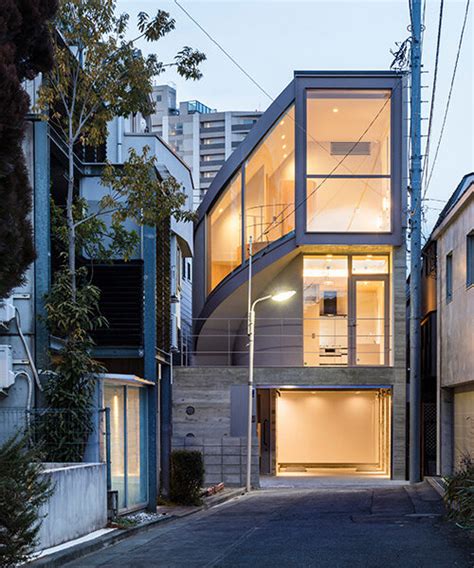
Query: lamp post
[[278, 297]]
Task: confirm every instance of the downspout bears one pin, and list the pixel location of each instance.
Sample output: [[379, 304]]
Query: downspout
[[119, 139]]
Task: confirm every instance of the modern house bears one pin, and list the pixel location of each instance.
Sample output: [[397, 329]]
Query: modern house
[[447, 325], [319, 185], [202, 136]]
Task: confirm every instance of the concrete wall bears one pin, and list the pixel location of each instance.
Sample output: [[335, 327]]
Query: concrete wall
[[78, 505], [209, 389], [225, 459]]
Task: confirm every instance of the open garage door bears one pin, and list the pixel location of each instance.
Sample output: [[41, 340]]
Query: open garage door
[[332, 432]]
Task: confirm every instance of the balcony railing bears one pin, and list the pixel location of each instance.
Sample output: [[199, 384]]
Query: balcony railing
[[327, 341]]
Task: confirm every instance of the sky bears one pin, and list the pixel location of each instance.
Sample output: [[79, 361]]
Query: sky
[[271, 39]]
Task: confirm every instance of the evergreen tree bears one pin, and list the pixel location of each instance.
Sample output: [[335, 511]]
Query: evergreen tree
[[23, 489], [25, 50]]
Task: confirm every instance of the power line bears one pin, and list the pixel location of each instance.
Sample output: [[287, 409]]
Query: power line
[[433, 94], [466, 13], [256, 83], [224, 51]]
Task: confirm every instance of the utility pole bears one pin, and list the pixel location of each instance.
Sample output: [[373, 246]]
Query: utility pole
[[415, 242], [250, 331]]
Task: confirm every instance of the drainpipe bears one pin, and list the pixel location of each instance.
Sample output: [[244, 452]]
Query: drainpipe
[[119, 139]]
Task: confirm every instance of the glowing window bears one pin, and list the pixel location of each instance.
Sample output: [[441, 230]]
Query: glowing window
[[225, 234], [270, 185], [348, 161]]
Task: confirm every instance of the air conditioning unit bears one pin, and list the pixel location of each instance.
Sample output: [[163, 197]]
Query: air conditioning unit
[[7, 310], [7, 377]]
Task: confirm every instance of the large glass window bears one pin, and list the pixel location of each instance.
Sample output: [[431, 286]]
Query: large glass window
[[270, 185], [348, 161], [325, 311], [225, 234], [128, 441], [346, 319]]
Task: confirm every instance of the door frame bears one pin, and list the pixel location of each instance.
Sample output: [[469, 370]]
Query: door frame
[[352, 320]]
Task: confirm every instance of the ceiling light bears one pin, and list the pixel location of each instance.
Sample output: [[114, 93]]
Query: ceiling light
[[283, 147], [220, 210], [335, 110], [282, 123], [285, 155], [283, 136]]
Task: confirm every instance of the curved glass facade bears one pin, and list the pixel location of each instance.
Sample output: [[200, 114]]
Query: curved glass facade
[[268, 202], [224, 243], [270, 185]]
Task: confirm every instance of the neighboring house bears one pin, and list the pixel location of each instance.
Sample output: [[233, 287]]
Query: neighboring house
[[147, 302], [448, 344], [202, 136], [147, 330], [319, 185]]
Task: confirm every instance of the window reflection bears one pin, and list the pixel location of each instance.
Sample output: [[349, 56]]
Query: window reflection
[[269, 185], [225, 234]]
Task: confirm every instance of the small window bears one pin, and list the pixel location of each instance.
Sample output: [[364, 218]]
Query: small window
[[470, 259], [158, 98], [449, 277], [189, 271]]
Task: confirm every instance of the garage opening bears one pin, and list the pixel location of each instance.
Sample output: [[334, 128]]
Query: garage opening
[[324, 432]]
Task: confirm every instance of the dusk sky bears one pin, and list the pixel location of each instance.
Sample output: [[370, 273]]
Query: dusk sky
[[272, 39]]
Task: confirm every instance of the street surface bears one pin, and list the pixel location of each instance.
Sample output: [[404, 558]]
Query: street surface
[[396, 526]]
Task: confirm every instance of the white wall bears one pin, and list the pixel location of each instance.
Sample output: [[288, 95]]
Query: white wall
[[78, 505], [327, 427]]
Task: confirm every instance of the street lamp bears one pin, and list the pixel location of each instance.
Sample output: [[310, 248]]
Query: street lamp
[[281, 296]]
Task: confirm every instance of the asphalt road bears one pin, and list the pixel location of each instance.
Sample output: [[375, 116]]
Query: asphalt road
[[382, 527]]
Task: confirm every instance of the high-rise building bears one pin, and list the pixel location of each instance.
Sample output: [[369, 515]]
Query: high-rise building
[[202, 136]]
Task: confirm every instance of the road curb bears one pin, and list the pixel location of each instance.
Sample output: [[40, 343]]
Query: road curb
[[59, 559], [437, 484]]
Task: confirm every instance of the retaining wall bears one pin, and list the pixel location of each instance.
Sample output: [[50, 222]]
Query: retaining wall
[[78, 504]]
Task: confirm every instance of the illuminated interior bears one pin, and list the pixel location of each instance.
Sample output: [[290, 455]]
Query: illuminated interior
[[270, 185], [348, 161], [345, 310], [225, 233], [333, 432], [128, 443], [325, 310]]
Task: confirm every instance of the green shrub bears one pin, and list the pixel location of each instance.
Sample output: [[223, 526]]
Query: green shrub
[[459, 495], [187, 477], [22, 491]]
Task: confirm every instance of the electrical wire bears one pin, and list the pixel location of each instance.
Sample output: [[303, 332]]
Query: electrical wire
[[255, 82], [29, 398], [27, 349], [461, 37], [433, 94]]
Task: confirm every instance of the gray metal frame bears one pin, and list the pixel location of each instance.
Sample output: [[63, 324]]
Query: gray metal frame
[[205, 302]]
